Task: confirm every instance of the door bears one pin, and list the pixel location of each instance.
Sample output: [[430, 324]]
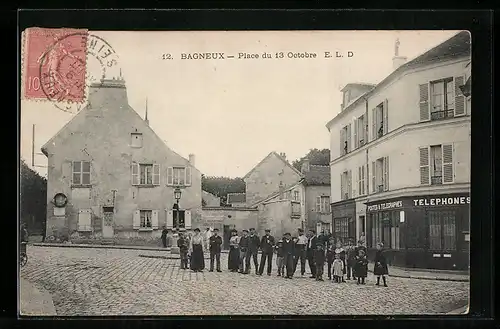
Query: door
[[107, 222], [227, 235]]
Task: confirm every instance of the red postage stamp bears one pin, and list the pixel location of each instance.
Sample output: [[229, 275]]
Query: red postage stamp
[[54, 64]]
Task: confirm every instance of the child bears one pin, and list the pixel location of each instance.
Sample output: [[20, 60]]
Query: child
[[361, 266], [319, 260], [350, 260], [338, 269], [183, 245], [330, 256], [380, 267], [341, 252], [278, 248]]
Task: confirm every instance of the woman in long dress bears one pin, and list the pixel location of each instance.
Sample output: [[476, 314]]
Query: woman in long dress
[[234, 253], [196, 251]]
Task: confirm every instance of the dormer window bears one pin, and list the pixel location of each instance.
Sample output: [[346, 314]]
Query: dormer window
[[347, 97], [136, 140]]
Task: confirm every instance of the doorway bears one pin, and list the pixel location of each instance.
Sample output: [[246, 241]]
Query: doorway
[[227, 235], [107, 222]]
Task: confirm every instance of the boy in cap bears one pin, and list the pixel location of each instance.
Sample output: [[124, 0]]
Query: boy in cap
[[266, 245], [215, 242], [288, 252], [319, 260], [280, 258], [243, 246]]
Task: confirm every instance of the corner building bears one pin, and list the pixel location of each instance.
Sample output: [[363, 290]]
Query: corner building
[[402, 154]]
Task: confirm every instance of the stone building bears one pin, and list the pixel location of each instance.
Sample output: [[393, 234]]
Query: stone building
[[403, 160], [110, 177]]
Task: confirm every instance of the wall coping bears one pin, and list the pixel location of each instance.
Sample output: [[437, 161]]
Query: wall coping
[[229, 208]]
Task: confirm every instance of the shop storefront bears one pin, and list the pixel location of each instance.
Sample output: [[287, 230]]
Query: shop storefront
[[421, 231], [344, 220]]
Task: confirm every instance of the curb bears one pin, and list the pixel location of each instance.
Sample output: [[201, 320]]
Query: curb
[[35, 301], [434, 278], [462, 310]]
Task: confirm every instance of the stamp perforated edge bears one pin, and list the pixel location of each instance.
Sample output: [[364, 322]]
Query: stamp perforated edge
[[25, 50]]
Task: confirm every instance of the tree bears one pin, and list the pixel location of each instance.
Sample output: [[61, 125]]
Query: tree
[[316, 157], [221, 186], [33, 199]]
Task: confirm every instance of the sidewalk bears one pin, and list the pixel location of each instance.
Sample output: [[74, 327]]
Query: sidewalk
[[425, 274], [35, 301], [394, 271]]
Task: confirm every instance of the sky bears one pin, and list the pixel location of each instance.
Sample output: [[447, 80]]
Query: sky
[[231, 113]]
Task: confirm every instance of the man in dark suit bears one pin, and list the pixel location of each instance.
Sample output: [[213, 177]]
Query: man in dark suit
[[311, 247], [243, 246], [267, 247], [253, 249], [288, 252], [215, 242]]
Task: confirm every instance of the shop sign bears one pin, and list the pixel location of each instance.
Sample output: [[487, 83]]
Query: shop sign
[[442, 201], [385, 206]]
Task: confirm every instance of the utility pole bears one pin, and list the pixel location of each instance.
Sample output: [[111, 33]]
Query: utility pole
[[33, 147]]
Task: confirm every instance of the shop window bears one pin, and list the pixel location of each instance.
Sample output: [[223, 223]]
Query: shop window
[[442, 230], [384, 228]]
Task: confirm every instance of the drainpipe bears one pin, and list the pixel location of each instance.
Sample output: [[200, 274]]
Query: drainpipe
[[367, 162]]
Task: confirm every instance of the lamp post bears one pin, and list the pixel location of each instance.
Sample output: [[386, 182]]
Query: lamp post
[[175, 237]]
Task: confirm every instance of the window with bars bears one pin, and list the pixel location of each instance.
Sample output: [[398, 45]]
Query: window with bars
[[81, 173], [342, 228]]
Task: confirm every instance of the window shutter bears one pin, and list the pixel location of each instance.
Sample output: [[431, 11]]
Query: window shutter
[[348, 139], [374, 124], [386, 117], [424, 166], [156, 174], [374, 178], [137, 219], [135, 173], [366, 180], [459, 97], [170, 176], [154, 219], [448, 175], [187, 219], [355, 133], [187, 179], [349, 184], [386, 174], [360, 182], [341, 142], [170, 219], [318, 204], [425, 109], [342, 187]]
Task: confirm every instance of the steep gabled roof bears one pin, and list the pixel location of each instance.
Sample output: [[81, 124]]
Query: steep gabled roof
[[317, 175], [457, 46], [108, 84], [236, 197], [274, 194], [273, 153]]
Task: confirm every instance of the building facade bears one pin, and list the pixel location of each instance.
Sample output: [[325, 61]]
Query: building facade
[[111, 177], [403, 160]]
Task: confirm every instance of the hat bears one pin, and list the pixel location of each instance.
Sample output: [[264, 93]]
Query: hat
[[268, 230], [287, 233], [196, 229], [216, 229], [244, 230]]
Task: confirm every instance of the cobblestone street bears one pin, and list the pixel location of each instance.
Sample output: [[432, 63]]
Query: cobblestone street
[[93, 281]]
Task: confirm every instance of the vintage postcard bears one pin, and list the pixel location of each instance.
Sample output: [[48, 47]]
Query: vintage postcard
[[244, 173]]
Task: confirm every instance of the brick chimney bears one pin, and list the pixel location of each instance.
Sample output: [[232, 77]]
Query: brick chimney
[[306, 165], [283, 155], [192, 159], [108, 93]]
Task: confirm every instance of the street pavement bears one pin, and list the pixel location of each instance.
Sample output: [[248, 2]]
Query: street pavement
[[95, 281]]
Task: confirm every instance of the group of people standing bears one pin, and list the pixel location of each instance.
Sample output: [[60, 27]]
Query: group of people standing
[[343, 262]]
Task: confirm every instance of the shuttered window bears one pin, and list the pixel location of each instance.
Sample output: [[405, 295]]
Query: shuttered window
[[460, 108], [179, 176], [442, 99], [424, 165], [448, 174], [424, 102], [145, 174]]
